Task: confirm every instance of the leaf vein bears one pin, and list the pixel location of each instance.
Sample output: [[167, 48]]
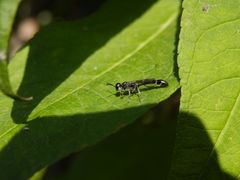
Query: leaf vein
[[222, 132], [198, 39]]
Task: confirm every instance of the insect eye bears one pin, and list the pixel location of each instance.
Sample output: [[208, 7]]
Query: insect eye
[[118, 86]]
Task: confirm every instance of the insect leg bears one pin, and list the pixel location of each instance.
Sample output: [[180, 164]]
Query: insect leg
[[129, 95], [121, 94], [138, 93]]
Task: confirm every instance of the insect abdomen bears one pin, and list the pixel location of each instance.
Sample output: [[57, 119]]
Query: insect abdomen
[[161, 82]]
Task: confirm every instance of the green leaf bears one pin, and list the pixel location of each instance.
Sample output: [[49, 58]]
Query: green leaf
[[5, 85], [208, 139], [68, 65], [7, 14], [4, 79]]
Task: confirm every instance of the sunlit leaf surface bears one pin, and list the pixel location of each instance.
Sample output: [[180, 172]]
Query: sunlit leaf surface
[[208, 139]]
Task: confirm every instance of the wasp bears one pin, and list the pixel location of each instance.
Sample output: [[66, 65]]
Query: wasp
[[133, 86]]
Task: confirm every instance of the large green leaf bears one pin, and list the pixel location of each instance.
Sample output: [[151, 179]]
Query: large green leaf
[[208, 139], [7, 13], [68, 65]]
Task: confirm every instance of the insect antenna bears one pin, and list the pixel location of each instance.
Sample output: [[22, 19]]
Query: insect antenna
[[109, 84]]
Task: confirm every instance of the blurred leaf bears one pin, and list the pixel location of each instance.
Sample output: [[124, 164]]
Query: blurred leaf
[[7, 14], [38, 175], [67, 69], [209, 70]]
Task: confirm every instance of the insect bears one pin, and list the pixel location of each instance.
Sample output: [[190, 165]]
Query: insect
[[133, 86]]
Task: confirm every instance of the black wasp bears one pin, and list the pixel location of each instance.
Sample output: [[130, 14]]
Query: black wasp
[[133, 86]]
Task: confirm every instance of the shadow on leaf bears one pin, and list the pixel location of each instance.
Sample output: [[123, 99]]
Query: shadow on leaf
[[194, 155], [47, 139], [60, 49]]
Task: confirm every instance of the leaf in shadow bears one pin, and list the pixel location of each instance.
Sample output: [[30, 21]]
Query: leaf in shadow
[[145, 152], [47, 139], [141, 150]]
